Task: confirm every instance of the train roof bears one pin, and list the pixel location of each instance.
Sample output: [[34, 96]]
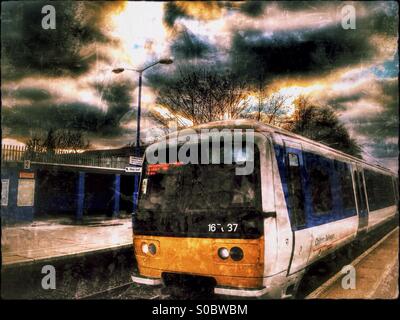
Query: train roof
[[262, 127]]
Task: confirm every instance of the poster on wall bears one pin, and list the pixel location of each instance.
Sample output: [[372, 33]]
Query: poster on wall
[[26, 192], [5, 183]]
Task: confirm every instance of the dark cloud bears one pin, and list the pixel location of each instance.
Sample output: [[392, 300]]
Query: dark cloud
[[338, 102], [257, 56], [117, 96], [380, 128], [384, 124], [161, 79], [28, 49], [33, 94], [158, 79], [78, 116], [304, 5], [305, 53], [188, 46], [42, 113], [385, 150], [203, 10], [253, 8], [383, 21], [172, 12]]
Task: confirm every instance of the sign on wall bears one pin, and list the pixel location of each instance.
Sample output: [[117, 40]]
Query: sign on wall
[[26, 192], [5, 186], [136, 161], [27, 164], [26, 175], [133, 169]]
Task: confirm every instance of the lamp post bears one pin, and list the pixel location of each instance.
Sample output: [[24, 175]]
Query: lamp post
[[137, 147]]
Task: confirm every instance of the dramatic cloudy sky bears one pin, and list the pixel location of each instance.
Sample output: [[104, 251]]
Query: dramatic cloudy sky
[[62, 78]]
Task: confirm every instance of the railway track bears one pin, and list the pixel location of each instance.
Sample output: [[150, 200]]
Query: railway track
[[128, 291]]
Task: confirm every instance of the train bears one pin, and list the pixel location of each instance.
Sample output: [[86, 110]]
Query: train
[[252, 235]]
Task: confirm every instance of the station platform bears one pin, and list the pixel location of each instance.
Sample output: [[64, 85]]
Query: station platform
[[50, 240], [376, 274]]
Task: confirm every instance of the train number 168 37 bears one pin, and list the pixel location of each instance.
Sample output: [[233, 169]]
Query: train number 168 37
[[230, 227]]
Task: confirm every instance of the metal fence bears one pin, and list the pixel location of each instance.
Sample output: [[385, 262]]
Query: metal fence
[[21, 153]]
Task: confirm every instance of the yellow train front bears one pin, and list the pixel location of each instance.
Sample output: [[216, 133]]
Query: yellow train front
[[234, 263]]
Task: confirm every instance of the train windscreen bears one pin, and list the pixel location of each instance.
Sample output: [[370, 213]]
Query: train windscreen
[[200, 200]]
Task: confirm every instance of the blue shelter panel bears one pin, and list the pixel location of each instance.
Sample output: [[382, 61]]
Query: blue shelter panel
[[99, 194], [117, 188], [126, 191], [136, 191], [57, 192], [80, 195]]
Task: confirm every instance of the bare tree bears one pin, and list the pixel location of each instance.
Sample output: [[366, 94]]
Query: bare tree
[[270, 109], [71, 139], [275, 106], [204, 95], [35, 144], [56, 140]]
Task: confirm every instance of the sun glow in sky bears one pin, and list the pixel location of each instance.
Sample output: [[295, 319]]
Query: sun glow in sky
[[140, 29]]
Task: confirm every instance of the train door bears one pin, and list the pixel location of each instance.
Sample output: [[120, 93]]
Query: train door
[[302, 237], [396, 190], [361, 199]]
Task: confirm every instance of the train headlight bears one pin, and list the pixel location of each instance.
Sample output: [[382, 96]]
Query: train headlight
[[223, 253], [236, 253], [145, 248], [152, 248]]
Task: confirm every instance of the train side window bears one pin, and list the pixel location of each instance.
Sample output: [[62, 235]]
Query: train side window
[[370, 181], [296, 194], [346, 184], [320, 182], [380, 190]]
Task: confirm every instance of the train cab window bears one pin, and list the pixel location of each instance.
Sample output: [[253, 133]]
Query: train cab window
[[320, 183], [346, 185], [296, 194]]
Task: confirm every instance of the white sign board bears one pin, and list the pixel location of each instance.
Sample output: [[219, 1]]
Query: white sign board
[[133, 169], [5, 186], [26, 192], [27, 164], [136, 161]]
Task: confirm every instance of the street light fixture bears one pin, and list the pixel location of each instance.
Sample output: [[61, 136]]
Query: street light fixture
[[161, 61], [166, 61], [137, 147], [118, 70]]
